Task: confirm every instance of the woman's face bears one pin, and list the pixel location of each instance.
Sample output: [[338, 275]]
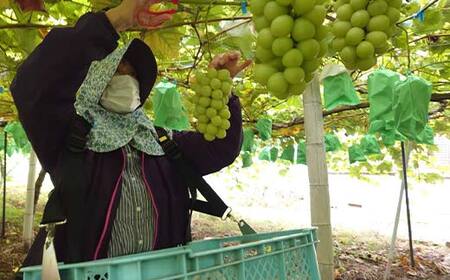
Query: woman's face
[[125, 68]]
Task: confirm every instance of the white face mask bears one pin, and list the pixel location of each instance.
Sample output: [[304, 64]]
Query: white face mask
[[121, 95]]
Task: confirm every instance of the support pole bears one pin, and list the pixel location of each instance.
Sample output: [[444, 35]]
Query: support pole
[[29, 206], [318, 177], [408, 214], [5, 148], [387, 272]]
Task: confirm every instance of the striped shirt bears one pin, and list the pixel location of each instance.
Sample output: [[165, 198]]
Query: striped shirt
[[132, 230]]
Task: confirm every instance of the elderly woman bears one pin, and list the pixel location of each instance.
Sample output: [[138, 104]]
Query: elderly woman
[[132, 198]]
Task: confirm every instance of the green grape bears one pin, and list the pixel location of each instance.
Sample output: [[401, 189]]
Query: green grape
[[338, 44], [310, 66], [211, 129], [366, 63], [217, 94], [377, 38], [216, 84], [377, 7], [365, 50], [303, 29], [292, 58], [199, 110], [204, 101], [273, 10], [221, 133], [281, 45], [317, 15], [344, 12], [226, 87], [378, 23], [206, 91], [264, 55], [225, 124], [297, 89], [302, 7], [348, 54], [281, 26], [340, 28], [202, 79], [223, 75], [217, 121], [201, 127], [262, 73], [294, 75], [211, 112], [203, 119], [310, 48], [257, 7], [354, 36], [359, 4], [209, 137], [265, 38], [217, 104], [277, 83], [261, 23], [360, 18], [225, 113], [212, 73]]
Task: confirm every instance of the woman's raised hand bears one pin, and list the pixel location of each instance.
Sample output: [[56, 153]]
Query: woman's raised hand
[[125, 16]]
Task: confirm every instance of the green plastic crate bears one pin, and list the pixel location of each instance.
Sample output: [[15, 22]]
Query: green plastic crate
[[289, 255]]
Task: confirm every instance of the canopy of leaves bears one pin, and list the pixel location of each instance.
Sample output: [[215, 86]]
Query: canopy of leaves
[[204, 28]]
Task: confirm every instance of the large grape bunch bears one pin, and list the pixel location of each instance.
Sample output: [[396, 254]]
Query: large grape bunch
[[362, 29], [212, 89], [291, 41]]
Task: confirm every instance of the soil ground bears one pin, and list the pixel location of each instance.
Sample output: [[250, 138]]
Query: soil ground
[[357, 256]]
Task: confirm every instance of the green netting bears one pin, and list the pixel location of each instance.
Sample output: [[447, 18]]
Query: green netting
[[339, 90], [301, 152], [288, 153], [273, 154], [426, 136], [247, 159], [356, 153], [370, 145], [332, 142], [264, 127], [381, 89], [411, 106], [168, 107], [248, 144]]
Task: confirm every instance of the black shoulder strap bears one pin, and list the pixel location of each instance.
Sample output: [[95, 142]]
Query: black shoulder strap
[[214, 205]]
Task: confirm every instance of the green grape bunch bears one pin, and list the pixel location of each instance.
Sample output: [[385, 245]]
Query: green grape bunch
[[212, 91], [362, 29], [290, 45]]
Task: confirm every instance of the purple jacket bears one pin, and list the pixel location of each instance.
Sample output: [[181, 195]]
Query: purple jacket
[[44, 92]]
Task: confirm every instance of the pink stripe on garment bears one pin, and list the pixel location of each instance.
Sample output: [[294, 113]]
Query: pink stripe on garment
[[108, 214], [155, 222]]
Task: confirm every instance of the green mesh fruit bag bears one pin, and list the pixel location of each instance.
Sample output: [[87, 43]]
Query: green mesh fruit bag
[[381, 89], [338, 90], [265, 154], [288, 153], [426, 136], [168, 107], [301, 152], [356, 153], [248, 144], [332, 142], [264, 127], [273, 154], [369, 145], [247, 160], [411, 106]]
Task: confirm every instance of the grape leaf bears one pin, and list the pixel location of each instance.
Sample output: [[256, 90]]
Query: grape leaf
[[165, 44]]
